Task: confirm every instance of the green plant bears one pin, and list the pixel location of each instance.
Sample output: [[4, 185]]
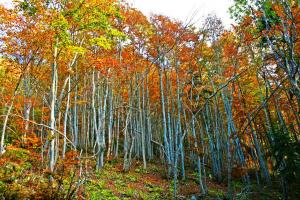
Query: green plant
[[131, 178], [141, 170], [216, 192], [95, 191], [150, 195], [129, 192], [286, 154]]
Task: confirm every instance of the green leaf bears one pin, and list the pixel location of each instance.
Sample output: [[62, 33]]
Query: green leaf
[[76, 49], [102, 42]]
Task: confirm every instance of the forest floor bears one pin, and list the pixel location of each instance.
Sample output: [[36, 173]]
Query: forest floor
[[152, 184], [23, 176]]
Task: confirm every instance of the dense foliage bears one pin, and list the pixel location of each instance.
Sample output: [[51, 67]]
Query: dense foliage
[[91, 83]]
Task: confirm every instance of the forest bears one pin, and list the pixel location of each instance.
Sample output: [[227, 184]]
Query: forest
[[99, 101]]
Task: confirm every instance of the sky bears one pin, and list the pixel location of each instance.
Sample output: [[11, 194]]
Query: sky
[[5, 2], [181, 9]]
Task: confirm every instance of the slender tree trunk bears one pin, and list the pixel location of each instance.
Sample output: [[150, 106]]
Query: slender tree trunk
[[164, 123], [66, 118], [52, 108]]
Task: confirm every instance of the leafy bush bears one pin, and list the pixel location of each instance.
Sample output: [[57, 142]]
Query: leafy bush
[[287, 156]]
